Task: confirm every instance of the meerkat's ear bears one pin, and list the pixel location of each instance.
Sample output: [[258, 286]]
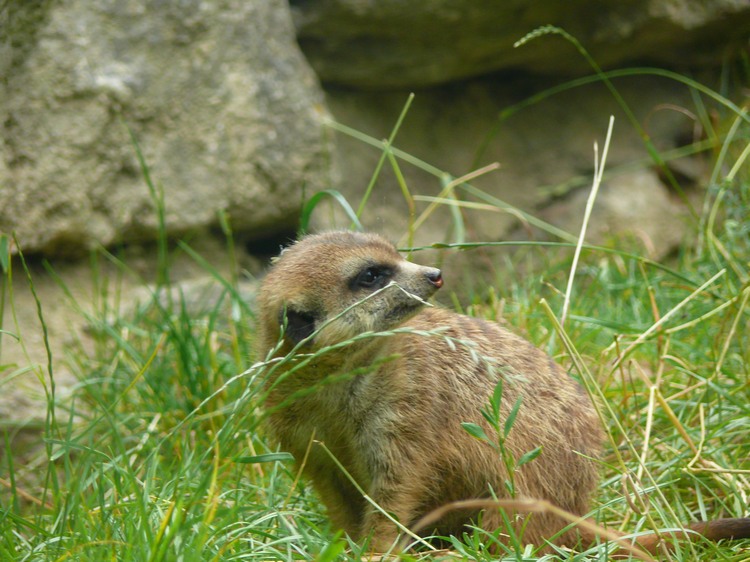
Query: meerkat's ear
[[298, 324]]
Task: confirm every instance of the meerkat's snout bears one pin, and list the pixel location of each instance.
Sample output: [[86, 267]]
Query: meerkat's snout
[[420, 281], [434, 276]]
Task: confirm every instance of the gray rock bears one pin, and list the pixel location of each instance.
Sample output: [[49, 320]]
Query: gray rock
[[409, 44], [635, 204], [223, 105]]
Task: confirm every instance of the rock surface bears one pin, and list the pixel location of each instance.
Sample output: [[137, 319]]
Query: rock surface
[[636, 205], [393, 44], [223, 106], [545, 152]]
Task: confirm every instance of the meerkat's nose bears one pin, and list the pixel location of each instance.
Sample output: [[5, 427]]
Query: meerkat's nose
[[435, 277]]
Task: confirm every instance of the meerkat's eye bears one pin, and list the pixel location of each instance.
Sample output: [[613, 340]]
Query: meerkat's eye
[[371, 277]]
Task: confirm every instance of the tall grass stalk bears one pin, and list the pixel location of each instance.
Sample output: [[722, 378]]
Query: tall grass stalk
[[598, 173], [4, 281]]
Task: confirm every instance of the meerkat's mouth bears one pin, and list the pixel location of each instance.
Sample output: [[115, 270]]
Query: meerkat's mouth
[[403, 311]]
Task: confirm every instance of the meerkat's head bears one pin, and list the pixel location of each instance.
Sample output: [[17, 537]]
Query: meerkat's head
[[340, 284]]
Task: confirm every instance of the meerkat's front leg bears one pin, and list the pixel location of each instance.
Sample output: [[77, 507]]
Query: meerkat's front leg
[[382, 530], [398, 489]]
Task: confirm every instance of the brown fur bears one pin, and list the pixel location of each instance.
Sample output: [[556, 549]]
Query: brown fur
[[393, 416]]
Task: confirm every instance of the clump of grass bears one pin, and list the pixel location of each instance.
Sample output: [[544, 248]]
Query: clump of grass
[[161, 452]]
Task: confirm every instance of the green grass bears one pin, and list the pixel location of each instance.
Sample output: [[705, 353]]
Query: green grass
[[161, 454]]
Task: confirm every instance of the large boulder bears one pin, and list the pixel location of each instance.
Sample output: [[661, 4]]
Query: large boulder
[[222, 104], [414, 43]]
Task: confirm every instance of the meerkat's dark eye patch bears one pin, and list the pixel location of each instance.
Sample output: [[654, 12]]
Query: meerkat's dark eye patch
[[371, 277], [299, 325]]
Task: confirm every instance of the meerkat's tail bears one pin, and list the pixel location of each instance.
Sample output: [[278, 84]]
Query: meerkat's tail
[[589, 532], [716, 530]]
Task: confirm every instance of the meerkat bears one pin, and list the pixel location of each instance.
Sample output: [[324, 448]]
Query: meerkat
[[357, 361]]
